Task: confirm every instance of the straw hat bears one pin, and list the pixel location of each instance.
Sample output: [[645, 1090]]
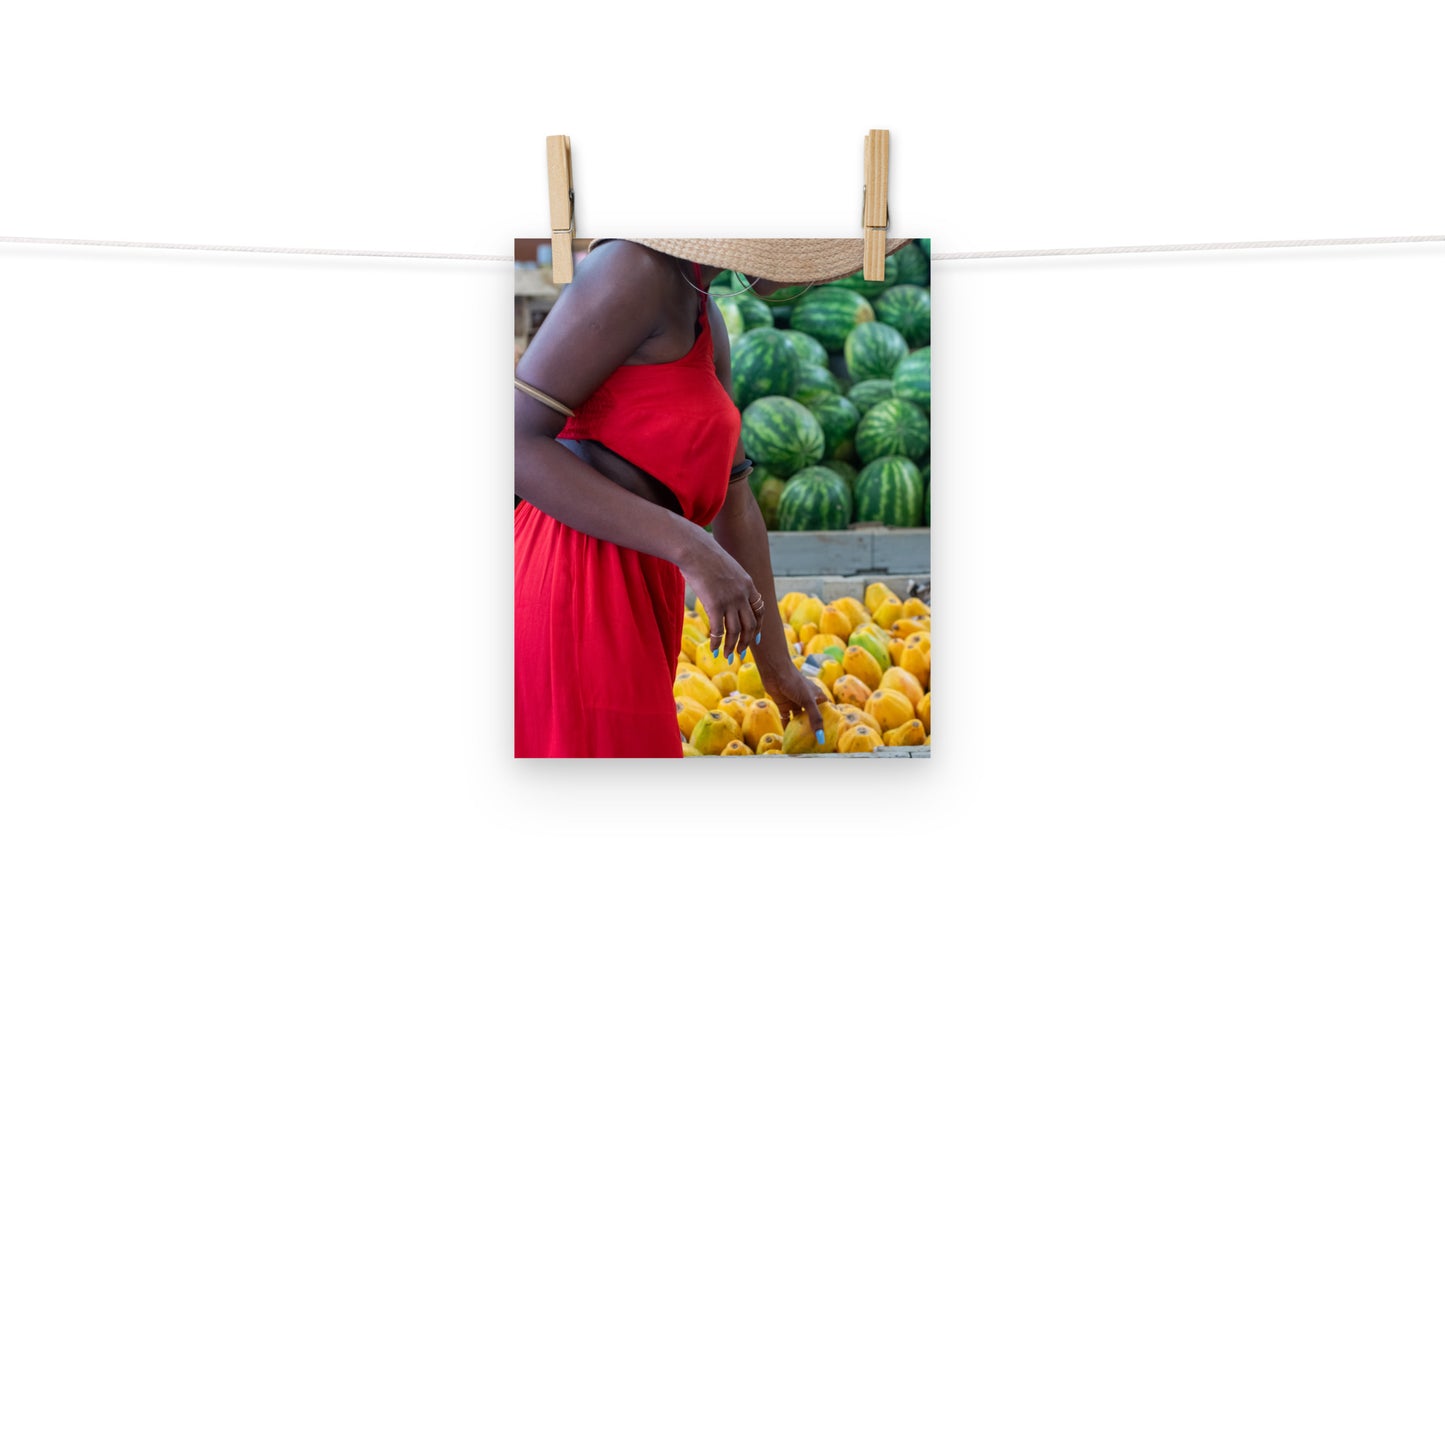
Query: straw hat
[[771, 259]]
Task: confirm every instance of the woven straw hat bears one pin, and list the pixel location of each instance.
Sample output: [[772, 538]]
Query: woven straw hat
[[771, 258]]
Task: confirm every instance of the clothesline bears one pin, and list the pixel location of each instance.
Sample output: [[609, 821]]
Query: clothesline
[[937, 255]]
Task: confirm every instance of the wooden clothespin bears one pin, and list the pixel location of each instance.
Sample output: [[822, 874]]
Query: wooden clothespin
[[875, 204], [563, 206]]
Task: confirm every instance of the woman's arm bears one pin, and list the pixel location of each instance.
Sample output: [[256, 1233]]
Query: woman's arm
[[741, 531], [601, 318]]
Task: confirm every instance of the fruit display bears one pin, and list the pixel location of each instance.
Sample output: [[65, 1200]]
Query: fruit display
[[840, 376], [870, 656]]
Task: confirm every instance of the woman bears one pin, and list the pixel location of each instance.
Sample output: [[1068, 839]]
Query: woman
[[628, 445]]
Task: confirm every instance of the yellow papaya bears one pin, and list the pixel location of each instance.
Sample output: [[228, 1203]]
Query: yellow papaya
[[714, 733], [853, 610], [872, 640], [689, 713], [915, 607], [875, 594], [695, 685], [688, 751], [770, 743], [760, 718], [860, 662], [852, 688], [835, 621], [914, 658], [853, 716], [888, 612], [818, 641], [725, 681], [858, 739], [736, 749], [735, 704], [889, 708], [910, 735], [901, 680], [810, 609], [925, 711], [787, 603], [830, 672], [749, 680]]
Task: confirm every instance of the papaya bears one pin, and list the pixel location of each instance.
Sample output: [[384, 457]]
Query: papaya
[[859, 739], [787, 603], [853, 716], [853, 610], [807, 632], [852, 688], [872, 640], [725, 681], [770, 743], [760, 718], [688, 751], [895, 649], [888, 612], [799, 737], [735, 704], [888, 707], [714, 733], [736, 749], [925, 711], [915, 607], [809, 610], [749, 680], [861, 663], [875, 594], [910, 735], [901, 680], [914, 658], [834, 621], [906, 626], [695, 685], [690, 712], [830, 672]]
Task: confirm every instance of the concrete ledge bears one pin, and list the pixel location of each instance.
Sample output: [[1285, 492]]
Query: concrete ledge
[[890, 550]]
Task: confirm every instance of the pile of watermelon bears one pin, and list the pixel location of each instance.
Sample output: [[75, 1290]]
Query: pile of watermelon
[[834, 385]]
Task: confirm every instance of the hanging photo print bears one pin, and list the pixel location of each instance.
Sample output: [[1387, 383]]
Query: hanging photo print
[[721, 511]]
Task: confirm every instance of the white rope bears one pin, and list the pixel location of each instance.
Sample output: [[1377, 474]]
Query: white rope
[[1181, 246], [937, 255], [265, 250]]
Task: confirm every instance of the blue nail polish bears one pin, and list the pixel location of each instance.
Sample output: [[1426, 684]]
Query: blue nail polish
[[715, 651], [758, 638], [819, 735], [730, 659]]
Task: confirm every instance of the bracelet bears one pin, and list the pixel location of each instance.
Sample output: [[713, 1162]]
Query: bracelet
[[742, 469]]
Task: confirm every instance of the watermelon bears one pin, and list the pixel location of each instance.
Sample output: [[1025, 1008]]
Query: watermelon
[[926, 246], [846, 470], [781, 315], [733, 319], [913, 265], [856, 282], [780, 433], [829, 313], [816, 378], [889, 490], [769, 495], [814, 500], [724, 282], [763, 365], [757, 477], [913, 378], [873, 350], [865, 394], [754, 312], [908, 309], [808, 348], [893, 428], [839, 419]]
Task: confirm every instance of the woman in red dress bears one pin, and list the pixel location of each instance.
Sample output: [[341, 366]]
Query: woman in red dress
[[627, 447]]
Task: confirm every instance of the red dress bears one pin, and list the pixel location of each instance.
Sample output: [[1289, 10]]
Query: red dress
[[598, 626]]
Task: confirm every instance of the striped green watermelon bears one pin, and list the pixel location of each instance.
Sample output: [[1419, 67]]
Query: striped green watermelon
[[889, 490], [913, 265], [855, 282], [913, 378], [873, 350], [754, 312], [866, 394], [817, 378], [808, 348], [763, 365], [908, 309], [782, 315], [925, 244], [780, 433], [829, 313], [769, 495], [839, 419], [893, 428], [814, 500], [844, 469], [757, 477], [733, 319]]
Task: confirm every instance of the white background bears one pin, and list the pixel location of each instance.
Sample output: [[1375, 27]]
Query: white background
[[360, 1084]]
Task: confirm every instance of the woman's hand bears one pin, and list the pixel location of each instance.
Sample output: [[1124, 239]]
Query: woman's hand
[[793, 693], [733, 605]]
